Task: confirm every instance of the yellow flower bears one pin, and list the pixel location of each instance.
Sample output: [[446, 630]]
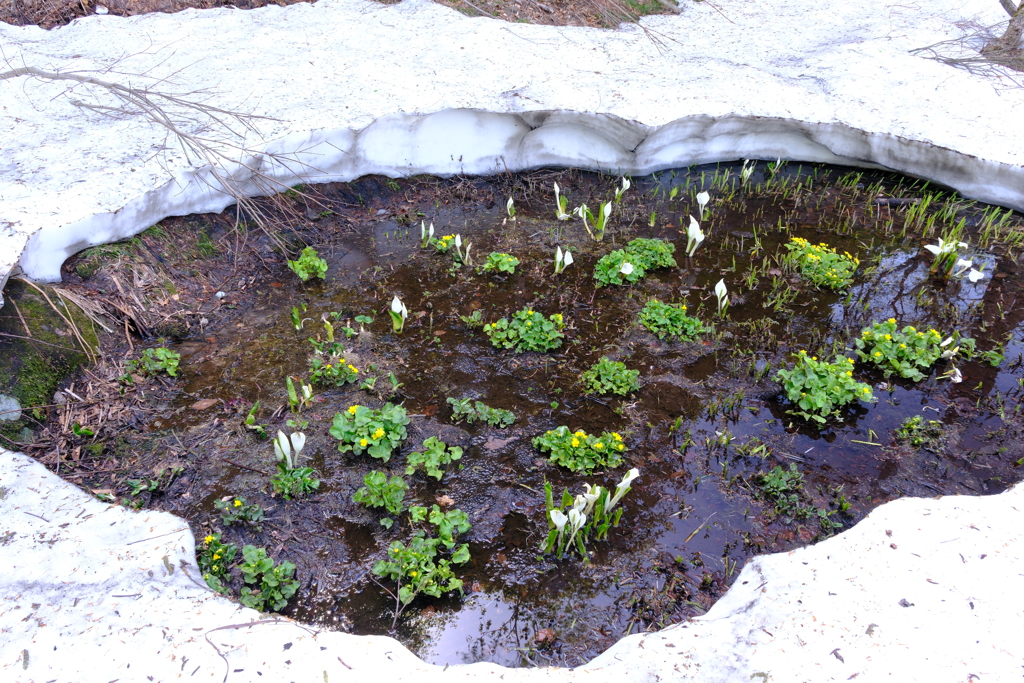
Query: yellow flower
[[379, 433], [238, 503], [352, 410], [575, 442], [529, 311], [363, 442], [353, 368], [528, 323], [216, 556], [598, 445], [328, 366], [849, 373], [215, 568], [412, 573], [617, 436], [888, 337], [580, 432], [208, 540], [903, 346], [892, 320], [878, 353]]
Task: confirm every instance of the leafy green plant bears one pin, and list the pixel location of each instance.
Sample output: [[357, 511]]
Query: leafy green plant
[[571, 523], [946, 252], [600, 221], [919, 432], [377, 432], [435, 455], [821, 264], [274, 585], [399, 314], [164, 478], [527, 331], [157, 360], [332, 369], [309, 265], [632, 263], [475, 319], [783, 489], [215, 559], [251, 423], [906, 352], [234, 510], [417, 569], [472, 411], [818, 389], [610, 377], [442, 244], [448, 524], [499, 262], [380, 492], [296, 400], [668, 320], [579, 451], [291, 481]]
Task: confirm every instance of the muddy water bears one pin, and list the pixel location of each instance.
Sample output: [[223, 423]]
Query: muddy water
[[707, 419]]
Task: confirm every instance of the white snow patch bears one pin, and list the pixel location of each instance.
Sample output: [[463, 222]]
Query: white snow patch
[[357, 88]]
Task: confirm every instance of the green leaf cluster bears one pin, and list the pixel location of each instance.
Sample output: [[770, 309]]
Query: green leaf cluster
[[435, 455], [919, 432], [294, 482], [273, 585], [215, 560], [819, 389], [331, 370], [820, 263], [908, 351], [379, 492], [236, 510], [579, 451], [528, 330], [157, 360], [499, 262], [448, 524], [642, 253], [610, 377], [669, 320], [471, 411], [784, 490], [378, 432], [309, 265]]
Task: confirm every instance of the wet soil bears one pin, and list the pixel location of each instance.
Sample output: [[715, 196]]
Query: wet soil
[[707, 420]]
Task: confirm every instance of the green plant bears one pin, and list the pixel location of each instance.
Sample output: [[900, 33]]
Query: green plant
[[782, 488], [234, 510], [590, 512], [820, 263], [274, 585], [527, 331], [379, 492], [157, 360], [610, 377], [475, 319], [721, 294], [919, 432], [818, 389], [561, 204], [164, 478], [215, 560], [469, 410], [251, 423], [579, 451], [906, 352], [442, 245], [417, 569], [668, 320], [632, 263], [946, 252], [399, 313], [435, 454], [600, 221], [332, 369], [309, 265], [291, 480], [449, 524], [499, 262], [295, 401], [563, 259], [377, 432]]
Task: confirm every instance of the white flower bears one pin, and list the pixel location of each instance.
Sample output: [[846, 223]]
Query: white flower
[[560, 213], [955, 376], [626, 268], [398, 307], [944, 247], [975, 275], [282, 447], [694, 236], [702, 200], [567, 259], [622, 488], [591, 496], [720, 292], [510, 207], [558, 518], [625, 186], [298, 442]]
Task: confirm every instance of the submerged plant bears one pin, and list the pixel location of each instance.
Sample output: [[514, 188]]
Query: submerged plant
[[919, 432], [907, 352], [309, 265], [157, 360], [668, 320], [499, 262], [562, 260], [820, 263], [818, 389], [273, 585], [472, 411], [581, 452], [435, 454], [377, 432], [399, 313], [571, 524], [528, 330], [610, 377]]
